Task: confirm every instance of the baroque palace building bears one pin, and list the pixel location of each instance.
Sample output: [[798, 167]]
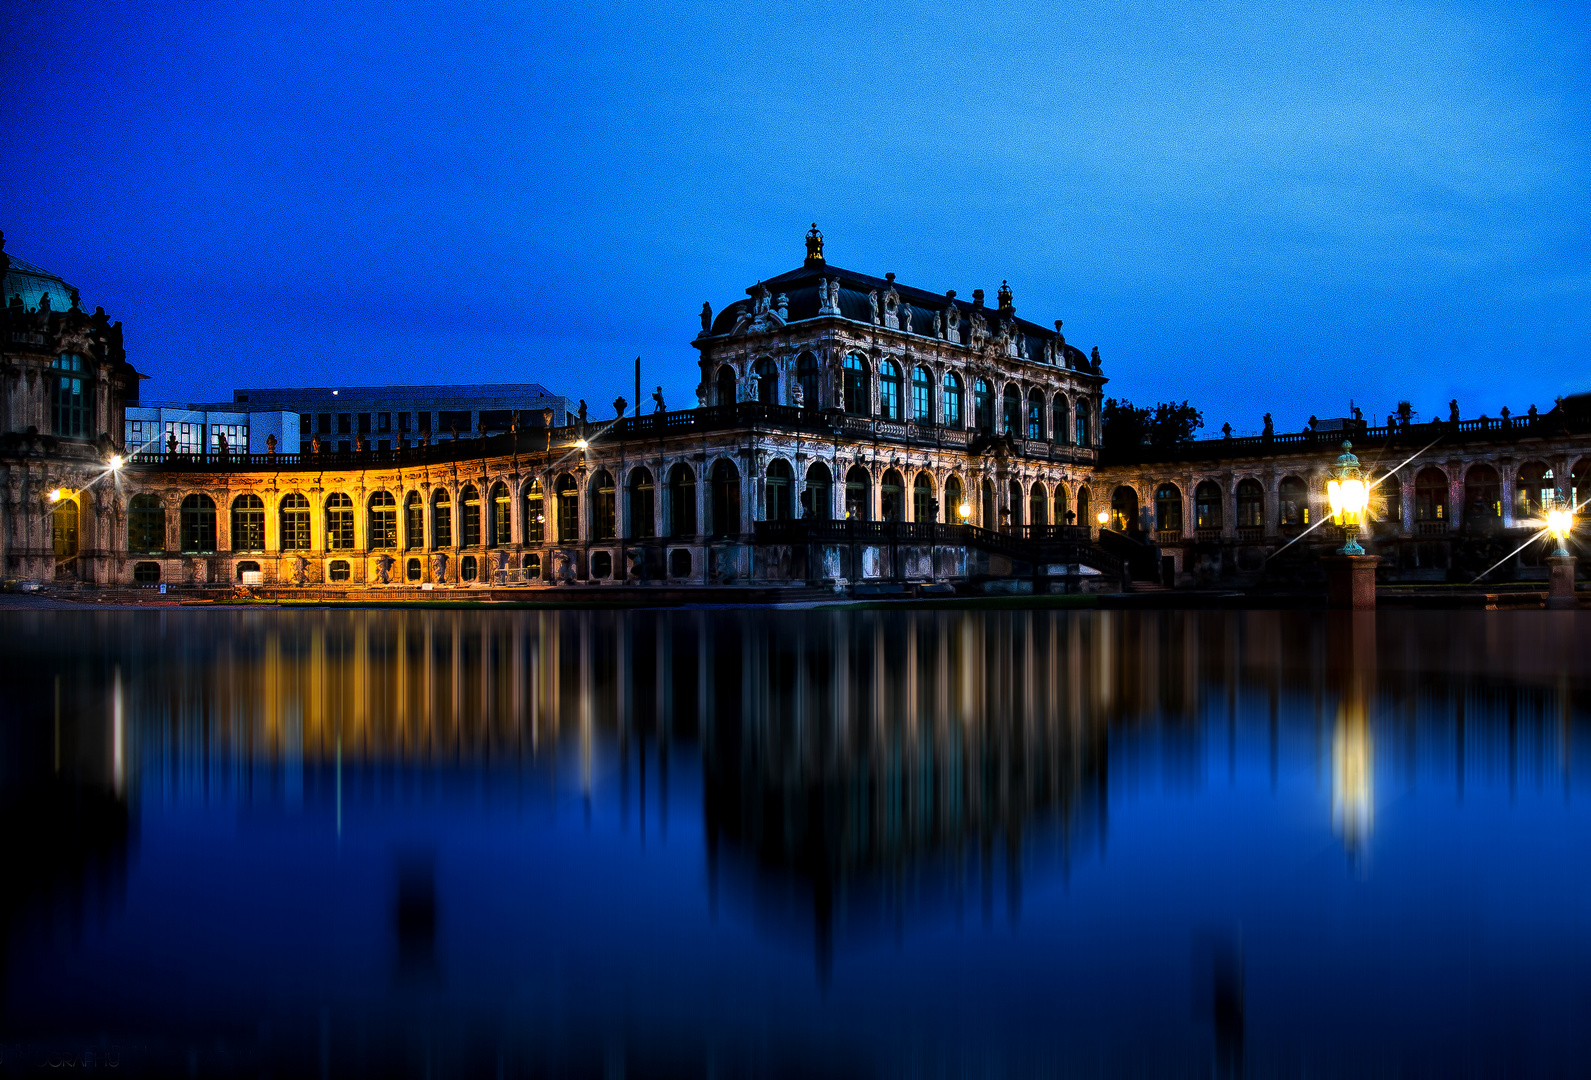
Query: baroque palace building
[[850, 431]]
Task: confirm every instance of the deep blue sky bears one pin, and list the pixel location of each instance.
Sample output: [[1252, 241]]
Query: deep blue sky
[[1252, 208]]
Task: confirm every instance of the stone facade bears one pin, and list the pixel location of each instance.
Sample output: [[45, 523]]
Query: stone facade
[[64, 387]]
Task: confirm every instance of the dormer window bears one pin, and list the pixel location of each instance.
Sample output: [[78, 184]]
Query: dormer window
[[71, 398]]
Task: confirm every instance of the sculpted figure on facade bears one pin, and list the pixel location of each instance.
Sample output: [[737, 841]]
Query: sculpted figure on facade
[[299, 573], [872, 303], [891, 305], [834, 295], [781, 307], [384, 569], [438, 567], [707, 316], [906, 317], [952, 317]]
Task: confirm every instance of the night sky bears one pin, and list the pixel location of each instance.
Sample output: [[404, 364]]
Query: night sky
[[1249, 207]]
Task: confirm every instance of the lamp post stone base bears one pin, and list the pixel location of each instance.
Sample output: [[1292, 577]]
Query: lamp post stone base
[[1350, 581], [1560, 583]]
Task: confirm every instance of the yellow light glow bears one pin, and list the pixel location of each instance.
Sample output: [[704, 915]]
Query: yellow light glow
[[1560, 523], [116, 461], [965, 510], [1103, 517], [1348, 499], [580, 444], [55, 496]]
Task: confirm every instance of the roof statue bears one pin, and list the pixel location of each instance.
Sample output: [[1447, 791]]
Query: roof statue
[[707, 316], [814, 247], [1006, 306]]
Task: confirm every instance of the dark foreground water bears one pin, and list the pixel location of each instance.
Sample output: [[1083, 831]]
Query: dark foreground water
[[795, 843]]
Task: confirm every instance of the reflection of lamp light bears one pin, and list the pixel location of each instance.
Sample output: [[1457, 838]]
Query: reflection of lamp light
[[1103, 517], [1348, 497], [116, 461], [580, 444], [1560, 523], [1353, 777], [55, 496], [965, 510]]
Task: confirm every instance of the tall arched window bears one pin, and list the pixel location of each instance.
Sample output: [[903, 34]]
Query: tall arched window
[[1035, 415], [441, 519], [953, 502], [1082, 507], [197, 523], [413, 521], [1083, 425], [982, 405], [339, 522], [951, 385], [1387, 498], [1250, 504], [293, 521], [989, 512], [726, 385], [146, 524], [1014, 499], [502, 520], [567, 494], [808, 374], [725, 495], [1011, 413], [817, 501], [857, 393], [923, 498], [1058, 424], [1168, 508], [1038, 504], [767, 381], [858, 494], [71, 398], [890, 491], [248, 523], [383, 520], [779, 483], [889, 390], [1483, 495], [535, 513], [1207, 505], [1060, 505], [681, 501], [1537, 492], [1430, 495], [63, 528], [1292, 501], [603, 524], [922, 395], [1124, 509], [641, 518], [469, 517]]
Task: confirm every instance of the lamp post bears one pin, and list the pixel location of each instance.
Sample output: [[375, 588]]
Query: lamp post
[[1350, 573], [1561, 564]]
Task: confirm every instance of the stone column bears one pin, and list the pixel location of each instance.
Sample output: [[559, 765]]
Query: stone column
[[1455, 495], [1508, 476], [1406, 495]]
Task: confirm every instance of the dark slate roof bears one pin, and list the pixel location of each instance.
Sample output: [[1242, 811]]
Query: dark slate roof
[[800, 288]]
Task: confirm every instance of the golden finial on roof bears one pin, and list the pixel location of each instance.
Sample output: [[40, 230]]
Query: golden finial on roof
[[1006, 306], [814, 247]]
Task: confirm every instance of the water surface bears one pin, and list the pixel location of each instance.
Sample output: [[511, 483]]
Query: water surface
[[784, 843]]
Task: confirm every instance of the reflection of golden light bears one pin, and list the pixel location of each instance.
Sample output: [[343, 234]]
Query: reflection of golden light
[[580, 444], [1352, 778], [116, 461], [1560, 523], [55, 496]]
